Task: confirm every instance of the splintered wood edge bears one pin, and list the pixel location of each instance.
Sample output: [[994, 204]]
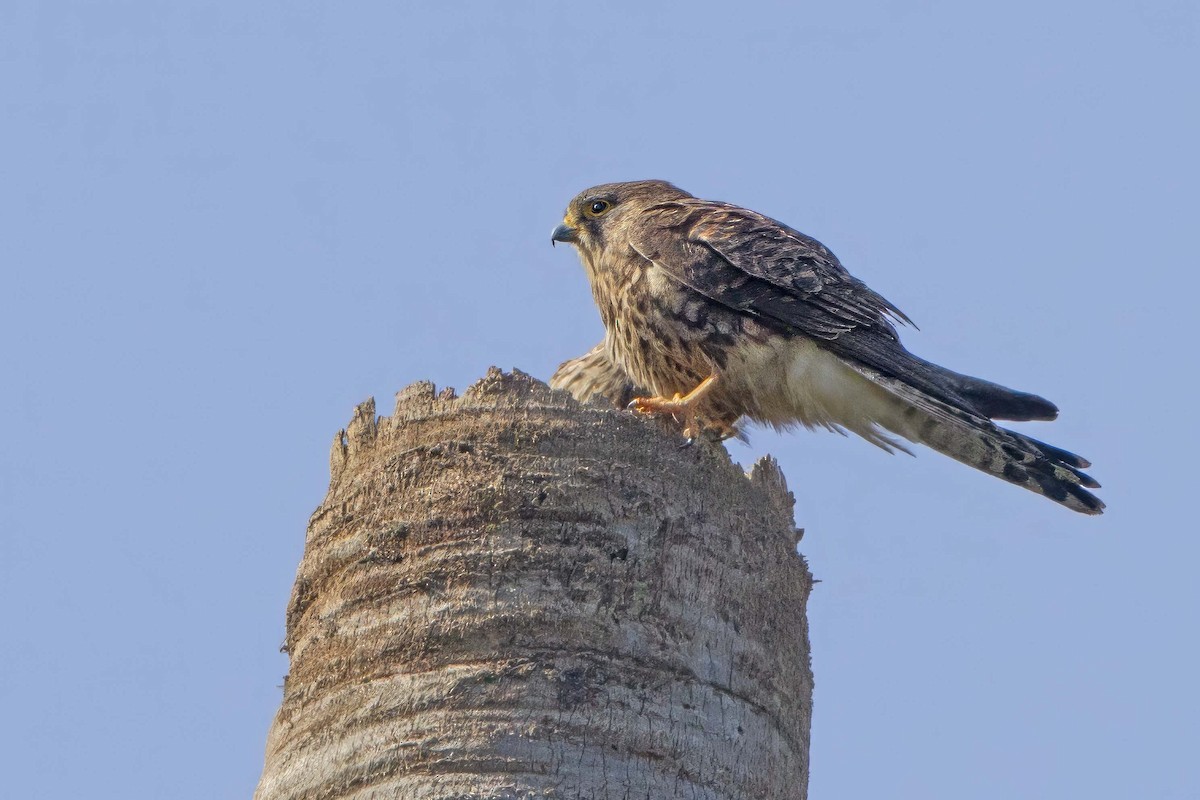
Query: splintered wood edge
[[498, 390]]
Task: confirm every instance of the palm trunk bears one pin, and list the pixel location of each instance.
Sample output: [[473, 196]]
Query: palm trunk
[[511, 595]]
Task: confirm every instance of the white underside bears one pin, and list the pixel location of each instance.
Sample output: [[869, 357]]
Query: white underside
[[796, 381]]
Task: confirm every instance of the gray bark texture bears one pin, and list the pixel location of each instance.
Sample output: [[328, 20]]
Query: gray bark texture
[[511, 594]]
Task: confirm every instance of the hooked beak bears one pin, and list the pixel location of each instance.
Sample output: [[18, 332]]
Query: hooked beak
[[563, 233]]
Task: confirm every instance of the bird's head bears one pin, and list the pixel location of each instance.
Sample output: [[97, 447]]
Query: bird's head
[[595, 214]]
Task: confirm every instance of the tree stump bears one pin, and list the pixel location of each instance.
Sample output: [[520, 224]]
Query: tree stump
[[511, 594]]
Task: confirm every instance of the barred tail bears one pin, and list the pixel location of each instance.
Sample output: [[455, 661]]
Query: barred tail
[[977, 442]]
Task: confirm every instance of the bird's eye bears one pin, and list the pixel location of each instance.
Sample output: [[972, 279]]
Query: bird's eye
[[598, 207]]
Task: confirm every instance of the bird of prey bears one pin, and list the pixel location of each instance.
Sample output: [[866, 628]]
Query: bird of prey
[[713, 313]]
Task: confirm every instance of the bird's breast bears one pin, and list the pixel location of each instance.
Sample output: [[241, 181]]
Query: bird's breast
[[665, 336], [668, 338]]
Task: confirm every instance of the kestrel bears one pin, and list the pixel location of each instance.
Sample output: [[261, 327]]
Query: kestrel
[[716, 313]]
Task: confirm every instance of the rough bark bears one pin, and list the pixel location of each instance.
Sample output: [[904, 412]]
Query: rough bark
[[514, 595]]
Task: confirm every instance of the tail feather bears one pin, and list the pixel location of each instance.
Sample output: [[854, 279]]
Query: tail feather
[[1057, 453], [974, 440], [1065, 459]]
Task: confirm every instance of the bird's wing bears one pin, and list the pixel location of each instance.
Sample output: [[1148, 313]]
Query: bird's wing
[[756, 265], [594, 373]]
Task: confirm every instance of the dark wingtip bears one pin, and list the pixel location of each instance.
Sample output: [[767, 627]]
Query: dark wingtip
[[1013, 405], [1038, 408], [984, 397]]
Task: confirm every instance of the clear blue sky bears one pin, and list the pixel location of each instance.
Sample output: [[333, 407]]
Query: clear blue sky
[[224, 224]]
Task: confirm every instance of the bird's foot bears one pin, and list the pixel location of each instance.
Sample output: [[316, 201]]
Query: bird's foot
[[680, 407]]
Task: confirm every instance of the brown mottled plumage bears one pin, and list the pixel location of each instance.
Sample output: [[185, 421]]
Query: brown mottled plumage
[[594, 373], [724, 313]]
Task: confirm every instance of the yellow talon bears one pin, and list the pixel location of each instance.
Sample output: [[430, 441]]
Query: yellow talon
[[679, 405]]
